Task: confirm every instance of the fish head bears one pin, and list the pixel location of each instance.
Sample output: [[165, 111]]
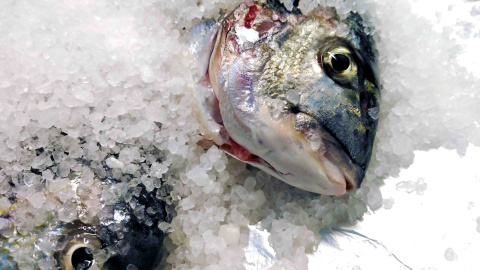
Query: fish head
[[117, 240], [297, 95]]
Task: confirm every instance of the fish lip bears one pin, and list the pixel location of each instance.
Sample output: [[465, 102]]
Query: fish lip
[[351, 184], [335, 151], [333, 154], [335, 188]]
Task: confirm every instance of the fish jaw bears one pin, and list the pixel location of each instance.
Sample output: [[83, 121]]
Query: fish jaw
[[287, 155]]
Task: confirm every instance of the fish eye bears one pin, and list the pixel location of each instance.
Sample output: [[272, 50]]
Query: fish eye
[[78, 251], [338, 62], [82, 258]]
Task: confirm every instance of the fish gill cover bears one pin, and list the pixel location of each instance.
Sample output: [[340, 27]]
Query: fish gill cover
[[97, 129]]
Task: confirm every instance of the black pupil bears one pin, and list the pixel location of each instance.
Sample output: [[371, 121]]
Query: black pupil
[[82, 258], [340, 62]]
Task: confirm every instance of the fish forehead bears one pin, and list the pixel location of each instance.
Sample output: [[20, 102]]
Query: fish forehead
[[288, 63]]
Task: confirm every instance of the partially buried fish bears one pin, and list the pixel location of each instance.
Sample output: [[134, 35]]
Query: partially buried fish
[[88, 216], [121, 242], [294, 95]]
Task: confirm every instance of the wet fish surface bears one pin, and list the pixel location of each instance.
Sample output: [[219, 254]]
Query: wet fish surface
[[294, 95]]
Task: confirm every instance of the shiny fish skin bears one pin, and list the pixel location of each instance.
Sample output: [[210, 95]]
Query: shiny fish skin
[[291, 94]]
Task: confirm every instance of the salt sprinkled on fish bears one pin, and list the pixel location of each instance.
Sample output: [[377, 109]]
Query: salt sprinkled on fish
[[290, 94]]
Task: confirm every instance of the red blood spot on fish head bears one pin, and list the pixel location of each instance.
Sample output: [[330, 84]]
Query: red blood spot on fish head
[[251, 15]]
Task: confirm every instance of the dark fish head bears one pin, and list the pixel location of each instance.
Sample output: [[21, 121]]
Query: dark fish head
[[297, 95], [123, 239]]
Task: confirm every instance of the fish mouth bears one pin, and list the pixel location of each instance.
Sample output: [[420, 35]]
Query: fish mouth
[[322, 166]]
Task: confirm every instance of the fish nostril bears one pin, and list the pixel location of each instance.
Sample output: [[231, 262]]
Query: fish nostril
[[294, 109], [364, 102], [82, 258], [349, 186]]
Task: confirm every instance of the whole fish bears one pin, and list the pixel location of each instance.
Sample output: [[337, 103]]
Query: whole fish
[[294, 95]]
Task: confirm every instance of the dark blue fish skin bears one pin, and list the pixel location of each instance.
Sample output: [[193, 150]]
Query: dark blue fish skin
[[141, 244], [355, 130]]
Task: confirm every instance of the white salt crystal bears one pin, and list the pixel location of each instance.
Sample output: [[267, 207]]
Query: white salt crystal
[[31, 179], [156, 114], [67, 213], [165, 227], [288, 4], [116, 75], [356, 267], [37, 199], [230, 233], [147, 74], [373, 112], [406, 186], [47, 175], [108, 197], [4, 187], [219, 166], [187, 203], [151, 210], [213, 154], [196, 245], [450, 255], [315, 142], [66, 195], [241, 192], [249, 183], [137, 190], [388, 203], [4, 203], [199, 176], [307, 6], [40, 160], [293, 96], [128, 155], [374, 197], [213, 243], [256, 199], [114, 163], [148, 182], [4, 223], [83, 93], [139, 212]]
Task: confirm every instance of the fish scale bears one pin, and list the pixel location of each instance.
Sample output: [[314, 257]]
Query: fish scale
[[277, 68]]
